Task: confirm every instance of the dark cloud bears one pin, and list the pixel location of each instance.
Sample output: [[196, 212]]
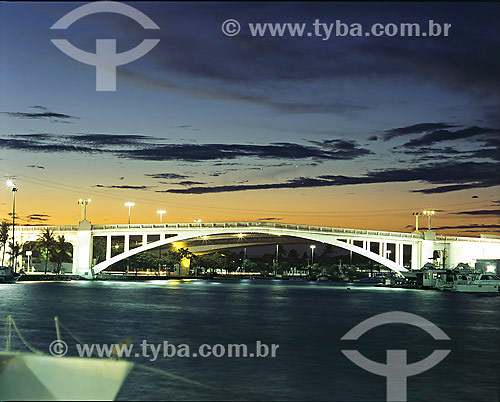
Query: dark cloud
[[457, 187], [207, 152], [36, 166], [189, 183], [32, 144], [373, 138], [472, 174], [168, 176], [123, 187], [82, 143], [294, 183], [475, 196], [270, 219], [39, 107], [188, 127], [344, 149], [480, 212], [41, 115], [226, 164], [471, 226], [448, 135], [140, 147], [38, 217], [488, 153], [414, 129], [111, 139]]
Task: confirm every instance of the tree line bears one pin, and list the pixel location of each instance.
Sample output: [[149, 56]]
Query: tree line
[[326, 263], [47, 248]]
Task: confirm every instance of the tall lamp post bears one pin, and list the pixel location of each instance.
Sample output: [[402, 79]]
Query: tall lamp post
[[13, 187], [161, 212], [84, 204], [416, 215], [429, 215], [129, 205], [312, 246]]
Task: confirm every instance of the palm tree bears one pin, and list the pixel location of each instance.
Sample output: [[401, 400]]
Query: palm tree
[[47, 241], [4, 237], [62, 251], [15, 250]]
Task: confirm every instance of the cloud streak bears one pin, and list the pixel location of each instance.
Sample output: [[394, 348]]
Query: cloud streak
[[139, 147], [472, 174]]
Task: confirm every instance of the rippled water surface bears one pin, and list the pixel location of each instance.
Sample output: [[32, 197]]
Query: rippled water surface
[[305, 319]]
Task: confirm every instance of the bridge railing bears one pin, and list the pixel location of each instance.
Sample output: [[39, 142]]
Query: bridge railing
[[59, 228], [246, 225], [445, 239]]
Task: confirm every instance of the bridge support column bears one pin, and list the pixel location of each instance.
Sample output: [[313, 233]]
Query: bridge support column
[[144, 239], [382, 249], [108, 247], [399, 254], [415, 256], [126, 246], [82, 254]]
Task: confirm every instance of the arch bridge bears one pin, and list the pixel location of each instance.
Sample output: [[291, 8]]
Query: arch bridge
[[397, 251]]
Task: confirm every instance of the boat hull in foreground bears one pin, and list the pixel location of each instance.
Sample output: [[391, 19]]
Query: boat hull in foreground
[[28, 376]]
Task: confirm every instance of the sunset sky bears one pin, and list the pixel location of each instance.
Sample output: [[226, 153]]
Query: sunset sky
[[346, 132]]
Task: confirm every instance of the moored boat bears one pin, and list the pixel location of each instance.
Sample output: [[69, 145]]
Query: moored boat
[[477, 283], [40, 377], [31, 377]]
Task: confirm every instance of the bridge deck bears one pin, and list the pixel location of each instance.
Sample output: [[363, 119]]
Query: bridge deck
[[260, 225]]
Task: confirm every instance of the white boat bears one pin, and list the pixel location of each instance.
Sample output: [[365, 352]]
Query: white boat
[[477, 283], [40, 377], [34, 377]]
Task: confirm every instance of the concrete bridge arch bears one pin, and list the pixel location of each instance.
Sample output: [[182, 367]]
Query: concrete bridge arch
[[320, 238]]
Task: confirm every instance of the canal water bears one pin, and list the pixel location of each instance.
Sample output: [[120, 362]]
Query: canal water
[[306, 320]]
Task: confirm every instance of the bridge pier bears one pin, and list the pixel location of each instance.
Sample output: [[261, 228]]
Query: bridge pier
[[108, 247], [82, 252], [126, 246]]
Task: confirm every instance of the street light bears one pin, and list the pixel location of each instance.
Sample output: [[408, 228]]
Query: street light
[[197, 220], [241, 235], [388, 252], [161, 212], [84, 204], [13, 187], [429, 215], [416, 215], [129, 205], [312, 246]]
